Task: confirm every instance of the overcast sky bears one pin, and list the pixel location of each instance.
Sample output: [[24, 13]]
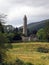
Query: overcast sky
[[15, 10]]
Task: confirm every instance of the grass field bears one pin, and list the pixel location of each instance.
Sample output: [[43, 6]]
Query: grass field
[[28, 53]]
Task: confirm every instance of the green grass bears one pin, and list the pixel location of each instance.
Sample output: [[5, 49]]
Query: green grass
[[28, 53]]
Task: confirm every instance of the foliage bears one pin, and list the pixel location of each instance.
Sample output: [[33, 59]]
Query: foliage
[[3, 47], [43, 50], [1, 28], [41, 35], [15, 31], [41, 28], [17, 37], [2, 21], [3, 40], [19, 62], [29, 63], [47, 29], [10, 37]]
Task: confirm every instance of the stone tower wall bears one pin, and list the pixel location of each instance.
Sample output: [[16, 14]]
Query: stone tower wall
[[25, 26]]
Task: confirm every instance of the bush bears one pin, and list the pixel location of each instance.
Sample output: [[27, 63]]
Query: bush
[[3, 47], [43, 50], [19, 62], [41, 35], [29, 64], [3, 38]]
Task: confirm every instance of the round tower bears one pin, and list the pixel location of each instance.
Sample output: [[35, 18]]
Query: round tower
[[25, 25]]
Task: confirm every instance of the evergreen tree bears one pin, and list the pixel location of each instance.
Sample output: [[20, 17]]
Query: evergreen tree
[[3, 40], [47, 29]]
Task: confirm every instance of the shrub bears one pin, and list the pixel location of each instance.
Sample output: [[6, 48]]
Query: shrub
[[19, 62], [29, 63], [41, 35], [43, 50]]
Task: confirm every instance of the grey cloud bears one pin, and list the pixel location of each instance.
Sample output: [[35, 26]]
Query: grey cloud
[[31, 2], [19, 22], [6, 5], [16, 22]]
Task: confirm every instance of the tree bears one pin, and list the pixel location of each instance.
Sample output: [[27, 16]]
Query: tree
[[20, 31], [17, 37], [3, 40], [2, 20], [47, 29], [10, 37], [15, 31], [41, 35], [1, 28]]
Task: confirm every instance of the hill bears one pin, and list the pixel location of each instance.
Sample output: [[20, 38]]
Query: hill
[[32, 27], [35, 26]]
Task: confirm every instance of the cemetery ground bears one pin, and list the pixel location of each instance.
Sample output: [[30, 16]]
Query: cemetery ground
[[36, 53]]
